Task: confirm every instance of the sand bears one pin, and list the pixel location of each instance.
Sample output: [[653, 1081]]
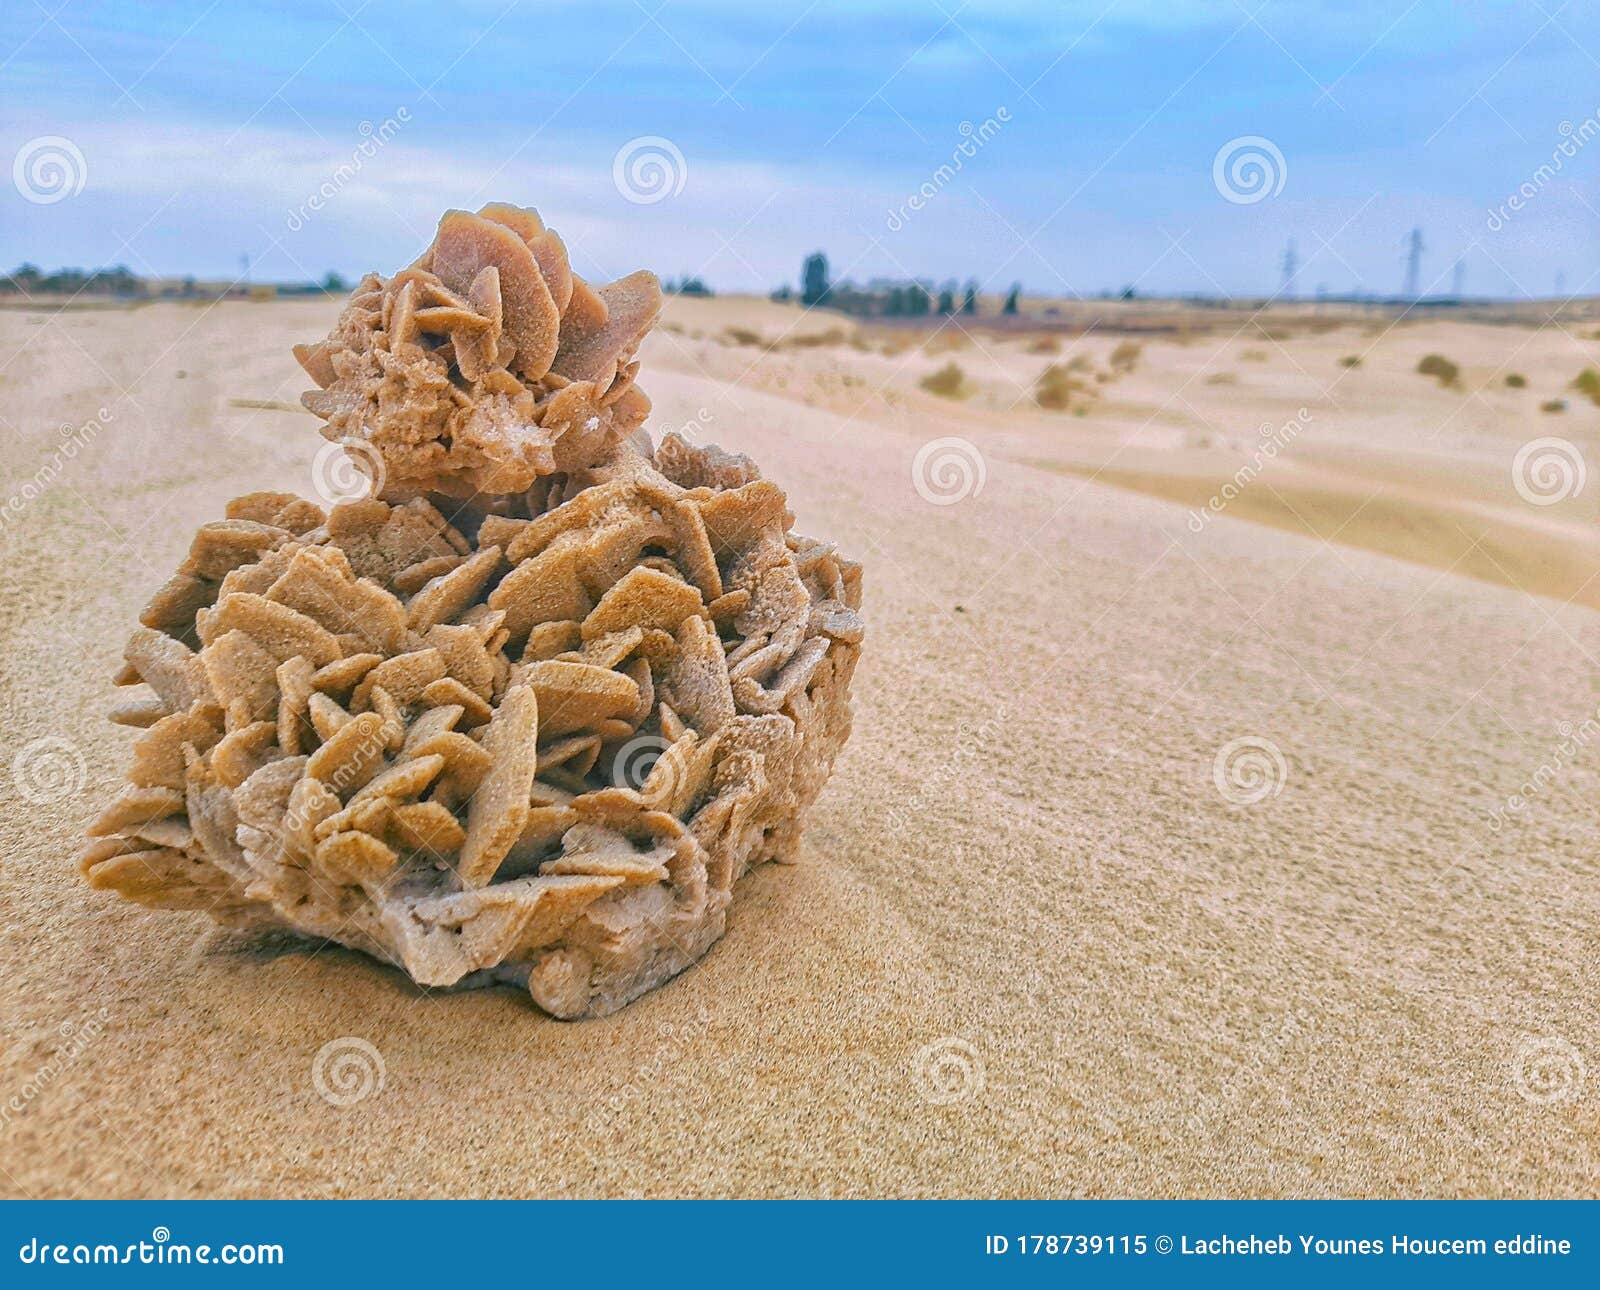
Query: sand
[[1030, 949]]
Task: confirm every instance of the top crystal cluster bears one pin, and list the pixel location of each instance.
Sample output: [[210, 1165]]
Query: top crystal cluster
[[527, 711]]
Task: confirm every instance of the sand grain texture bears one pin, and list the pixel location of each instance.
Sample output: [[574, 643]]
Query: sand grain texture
[[1029, 948]]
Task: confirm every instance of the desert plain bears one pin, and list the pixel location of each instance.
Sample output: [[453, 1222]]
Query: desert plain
[[1219, 820]]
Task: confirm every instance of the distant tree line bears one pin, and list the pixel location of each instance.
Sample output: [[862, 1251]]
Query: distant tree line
[[885, 299], [123, 283]]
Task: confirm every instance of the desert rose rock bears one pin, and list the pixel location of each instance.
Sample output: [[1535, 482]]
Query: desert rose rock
[[527, 715]]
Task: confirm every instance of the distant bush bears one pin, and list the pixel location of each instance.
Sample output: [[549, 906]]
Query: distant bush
[[1554, 405], [741, 336], [1044, 345], [1516, 381], [1350, 360], [1125, 357], [1059, 390], [943, 342], [949, 382], [1222, 378], [1437, 365], [1587, 383], [1254, 355], [816, 339]]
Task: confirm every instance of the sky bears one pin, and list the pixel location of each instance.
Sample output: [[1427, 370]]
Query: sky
[[1072, 147]]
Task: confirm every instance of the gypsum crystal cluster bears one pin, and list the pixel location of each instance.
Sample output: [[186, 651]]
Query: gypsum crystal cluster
[[529, 713]]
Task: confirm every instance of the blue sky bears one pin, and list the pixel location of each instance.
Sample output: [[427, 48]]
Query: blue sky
[[205, 129]]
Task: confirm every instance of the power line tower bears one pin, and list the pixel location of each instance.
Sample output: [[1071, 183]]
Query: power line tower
[[1291, 266], [1458, 279], [1413, 288]]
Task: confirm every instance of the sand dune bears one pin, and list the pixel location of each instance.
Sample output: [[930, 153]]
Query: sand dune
[[1033, 947]]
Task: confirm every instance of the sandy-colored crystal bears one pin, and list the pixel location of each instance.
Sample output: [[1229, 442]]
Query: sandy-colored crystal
[[481, 369], [527, 714]]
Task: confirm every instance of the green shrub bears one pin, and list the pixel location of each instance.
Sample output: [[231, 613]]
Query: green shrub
[[1437, 365]]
